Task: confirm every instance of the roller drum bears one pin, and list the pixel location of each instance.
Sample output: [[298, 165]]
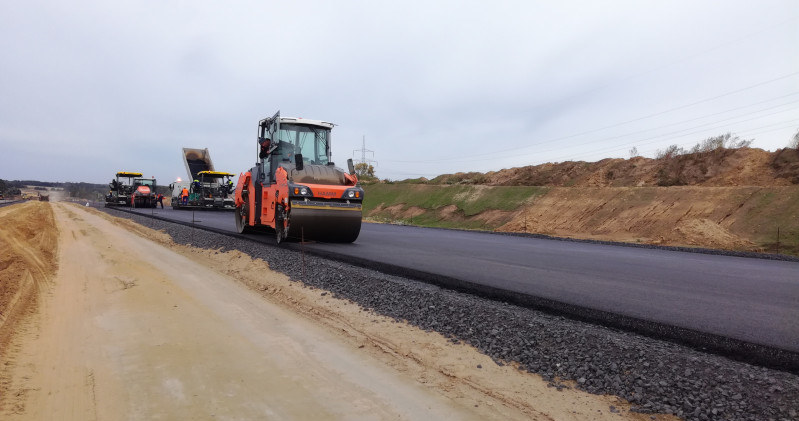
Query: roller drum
[[335, 224]]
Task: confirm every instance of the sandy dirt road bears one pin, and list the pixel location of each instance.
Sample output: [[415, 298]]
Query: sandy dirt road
[[135, 329]]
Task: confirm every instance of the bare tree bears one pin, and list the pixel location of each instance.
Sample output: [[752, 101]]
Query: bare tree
[[794, 141], [670, 152], [633, 152], [724, 141]]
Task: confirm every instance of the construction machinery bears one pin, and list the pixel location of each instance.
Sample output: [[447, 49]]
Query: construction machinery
[[197, 160], [211, 190], [121, 189], [144, 195], [207, 189], [129, 189], [294, 189]]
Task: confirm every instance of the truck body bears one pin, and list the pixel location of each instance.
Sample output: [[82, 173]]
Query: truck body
[[207, 188], [212, 190]]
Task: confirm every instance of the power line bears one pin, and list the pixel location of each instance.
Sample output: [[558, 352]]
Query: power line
[[536, 144], [492, 155], [767, 28], [702, 128], [655, 139], [788, 124], [679, 132]]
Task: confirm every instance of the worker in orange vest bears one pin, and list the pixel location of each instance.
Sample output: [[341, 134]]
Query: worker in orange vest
[[185, 196]]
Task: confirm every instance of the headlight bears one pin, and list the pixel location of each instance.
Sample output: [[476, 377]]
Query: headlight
[[355, 194], [298, 190]]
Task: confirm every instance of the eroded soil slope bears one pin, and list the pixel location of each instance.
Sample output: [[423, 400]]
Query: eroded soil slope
[[760, 219], [734, 218], [742, 199], [28, 252]]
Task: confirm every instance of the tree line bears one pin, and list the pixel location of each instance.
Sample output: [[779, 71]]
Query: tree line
[[80, 190]]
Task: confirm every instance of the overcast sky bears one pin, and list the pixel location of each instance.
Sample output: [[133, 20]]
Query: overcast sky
[[88, 88]]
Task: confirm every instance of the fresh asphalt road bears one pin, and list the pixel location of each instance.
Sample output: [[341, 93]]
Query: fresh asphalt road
[[753, 300]]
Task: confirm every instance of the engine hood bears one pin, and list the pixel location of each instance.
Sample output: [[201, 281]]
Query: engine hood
[[318, 174]]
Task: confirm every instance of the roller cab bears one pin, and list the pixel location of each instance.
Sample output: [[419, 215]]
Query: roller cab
[[294, 189]]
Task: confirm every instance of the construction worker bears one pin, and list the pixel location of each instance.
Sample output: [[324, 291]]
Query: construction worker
[[230, 186], [184, 196], [195, 185], [265, 146], [161, 200]]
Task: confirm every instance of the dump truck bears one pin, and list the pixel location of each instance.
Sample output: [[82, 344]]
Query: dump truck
[[207, 188], [197, 160], [294, 189], [212, 190], [130, 189]]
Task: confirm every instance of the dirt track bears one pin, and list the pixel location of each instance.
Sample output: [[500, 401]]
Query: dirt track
[[134, 327]]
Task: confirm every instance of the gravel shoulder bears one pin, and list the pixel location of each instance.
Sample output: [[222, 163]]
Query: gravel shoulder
[[653, 376], [143, 326]]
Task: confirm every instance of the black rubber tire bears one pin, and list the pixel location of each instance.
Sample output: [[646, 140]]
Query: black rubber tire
[[242, 215], [280, 231]]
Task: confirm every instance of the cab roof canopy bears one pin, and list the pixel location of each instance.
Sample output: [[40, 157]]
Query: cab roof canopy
[[300, 120], [128, 174], [215, 174]]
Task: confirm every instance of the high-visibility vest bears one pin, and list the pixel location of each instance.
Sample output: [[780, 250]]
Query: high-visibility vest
[[185, 192]]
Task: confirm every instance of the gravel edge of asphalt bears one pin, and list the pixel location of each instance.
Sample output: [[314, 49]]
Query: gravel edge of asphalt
[[655, 376]]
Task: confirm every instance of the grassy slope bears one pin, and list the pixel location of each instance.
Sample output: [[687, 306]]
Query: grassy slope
[[768, 211], [429, 200]]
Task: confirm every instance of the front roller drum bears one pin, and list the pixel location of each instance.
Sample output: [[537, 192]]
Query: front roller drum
[[329, 225]]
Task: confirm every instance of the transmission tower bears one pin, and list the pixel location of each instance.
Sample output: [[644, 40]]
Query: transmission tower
[[363, 152]]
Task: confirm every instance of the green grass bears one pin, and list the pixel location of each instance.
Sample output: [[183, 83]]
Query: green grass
[[773, 210], [470, 200]]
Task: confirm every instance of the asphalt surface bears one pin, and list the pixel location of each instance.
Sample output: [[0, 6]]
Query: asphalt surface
[[5, 202], [747, 299]]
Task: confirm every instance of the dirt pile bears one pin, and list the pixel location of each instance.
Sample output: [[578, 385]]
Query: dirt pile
[[719, 167], [28, 254]]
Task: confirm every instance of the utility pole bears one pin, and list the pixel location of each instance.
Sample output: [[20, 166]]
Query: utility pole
[[363, 152]]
